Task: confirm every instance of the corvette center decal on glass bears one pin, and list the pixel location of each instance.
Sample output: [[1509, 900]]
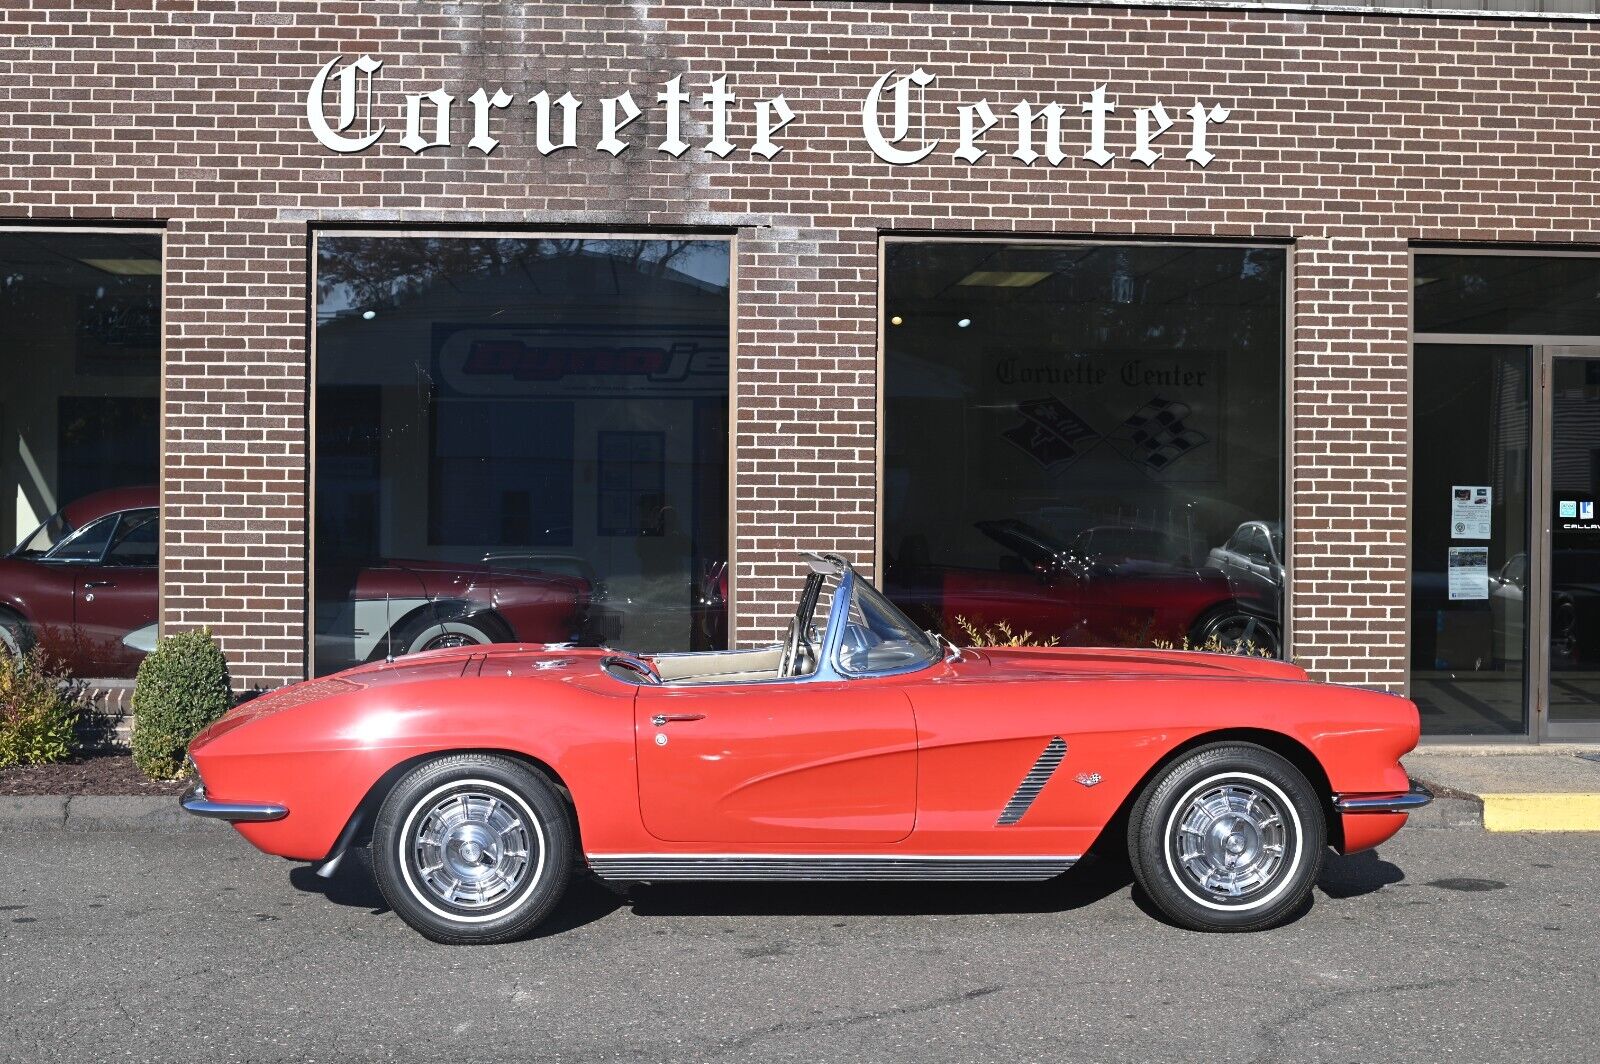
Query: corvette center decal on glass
[[894, 118], [1470, 507], [1145, 412], [1469, 573]]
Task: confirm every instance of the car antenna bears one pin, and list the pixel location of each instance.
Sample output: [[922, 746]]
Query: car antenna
[[388, 631]]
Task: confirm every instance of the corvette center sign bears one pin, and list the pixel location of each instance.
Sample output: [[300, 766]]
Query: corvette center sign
[[895, 123]]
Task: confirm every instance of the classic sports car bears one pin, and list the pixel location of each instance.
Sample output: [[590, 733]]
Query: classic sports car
[[859, 748], [1108, 585], [84, 586]]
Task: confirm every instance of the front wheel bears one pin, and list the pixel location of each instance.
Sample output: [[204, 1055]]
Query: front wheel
[[1228, 838], [472, 849]]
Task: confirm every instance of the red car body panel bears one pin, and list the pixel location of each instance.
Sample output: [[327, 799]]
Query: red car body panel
[[917, 764]]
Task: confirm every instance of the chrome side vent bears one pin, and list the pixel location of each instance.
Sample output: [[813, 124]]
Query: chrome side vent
[[1045, 767]]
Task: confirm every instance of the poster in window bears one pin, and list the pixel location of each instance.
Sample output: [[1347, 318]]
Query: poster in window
[[1470, 507], [1469, 573]]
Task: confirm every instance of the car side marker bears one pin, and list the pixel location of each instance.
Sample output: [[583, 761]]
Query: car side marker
[[1045, 767]]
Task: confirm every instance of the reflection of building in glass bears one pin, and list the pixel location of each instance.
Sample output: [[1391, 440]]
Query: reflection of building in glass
[[552, 408]]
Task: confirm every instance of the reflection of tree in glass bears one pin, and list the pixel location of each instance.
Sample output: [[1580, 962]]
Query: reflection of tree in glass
[[376, 272]]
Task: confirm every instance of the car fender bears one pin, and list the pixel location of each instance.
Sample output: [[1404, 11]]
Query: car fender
[[319, 748]]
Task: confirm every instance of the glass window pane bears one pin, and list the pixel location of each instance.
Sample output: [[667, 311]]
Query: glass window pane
[[1075, 434], [1507, 294], [1469, 538], [520, 439], [1574, 621], [79, 432]]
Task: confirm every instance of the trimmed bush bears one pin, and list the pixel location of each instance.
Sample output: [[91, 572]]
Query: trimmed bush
[[182, 686], [39, 710]]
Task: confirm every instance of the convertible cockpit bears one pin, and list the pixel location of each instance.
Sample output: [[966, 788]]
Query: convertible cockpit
[[842, 627]]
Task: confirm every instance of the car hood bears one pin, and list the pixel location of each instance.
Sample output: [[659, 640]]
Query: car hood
[[1029, 662]]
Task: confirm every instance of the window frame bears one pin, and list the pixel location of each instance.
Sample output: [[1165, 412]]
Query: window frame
[[156, 229], [338, 230], [1285, 398]]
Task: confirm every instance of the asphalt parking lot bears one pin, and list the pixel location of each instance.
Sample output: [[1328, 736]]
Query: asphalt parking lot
[[1445, 945]]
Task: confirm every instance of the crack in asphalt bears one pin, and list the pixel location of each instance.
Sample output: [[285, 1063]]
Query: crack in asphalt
[[721, 1047], [1273, 1033]]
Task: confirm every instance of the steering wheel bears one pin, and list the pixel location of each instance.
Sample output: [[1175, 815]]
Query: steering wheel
[[791, 649]]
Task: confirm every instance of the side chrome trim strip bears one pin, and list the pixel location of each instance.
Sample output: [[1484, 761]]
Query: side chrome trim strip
[[1043, 768], [194, 801], [808, 867], [1415, 798]]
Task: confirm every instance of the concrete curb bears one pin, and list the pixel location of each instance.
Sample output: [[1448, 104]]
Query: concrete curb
[[99, 812], [1566, 811]]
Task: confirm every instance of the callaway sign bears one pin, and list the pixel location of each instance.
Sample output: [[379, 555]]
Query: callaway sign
[[894, 121]]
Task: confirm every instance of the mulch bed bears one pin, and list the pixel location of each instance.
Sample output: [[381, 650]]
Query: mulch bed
[[87, 774]]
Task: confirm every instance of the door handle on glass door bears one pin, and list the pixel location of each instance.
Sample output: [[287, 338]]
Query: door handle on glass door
[[662, 718]]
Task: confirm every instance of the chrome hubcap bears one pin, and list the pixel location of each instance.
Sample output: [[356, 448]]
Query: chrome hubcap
[[1230, 841], [472, 849]]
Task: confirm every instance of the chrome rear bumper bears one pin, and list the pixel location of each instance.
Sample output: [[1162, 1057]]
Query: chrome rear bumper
[[1417, 797], [194, 801]]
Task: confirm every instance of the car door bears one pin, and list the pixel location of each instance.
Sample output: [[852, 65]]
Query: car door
[[119, 594], [809, 761]]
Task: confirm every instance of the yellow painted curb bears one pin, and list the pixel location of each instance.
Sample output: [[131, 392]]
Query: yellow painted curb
[[1575, 811]]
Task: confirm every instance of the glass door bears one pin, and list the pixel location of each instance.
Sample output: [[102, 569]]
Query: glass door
[[1571, 603], [1473, 426]]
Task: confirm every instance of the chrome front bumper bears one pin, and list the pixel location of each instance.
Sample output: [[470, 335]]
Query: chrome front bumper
[[1417, 797], [194, 801]]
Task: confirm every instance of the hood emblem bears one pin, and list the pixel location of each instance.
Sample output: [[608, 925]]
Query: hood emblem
[[1088, 779], [554, 663]]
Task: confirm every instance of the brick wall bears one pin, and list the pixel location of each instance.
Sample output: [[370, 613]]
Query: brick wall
[[1350, 136]]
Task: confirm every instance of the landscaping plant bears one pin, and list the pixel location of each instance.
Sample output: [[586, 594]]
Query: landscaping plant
[[1000, 635], [39, 710], [183, 685]]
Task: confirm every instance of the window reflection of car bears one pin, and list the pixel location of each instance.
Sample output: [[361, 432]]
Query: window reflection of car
[[84, 586], [1108, 585], [83, 581], [1252, 559], [1574, 605]]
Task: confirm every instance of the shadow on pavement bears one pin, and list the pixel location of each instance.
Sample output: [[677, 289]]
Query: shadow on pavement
[[1084, 885], [587, 899], [1354, 874]]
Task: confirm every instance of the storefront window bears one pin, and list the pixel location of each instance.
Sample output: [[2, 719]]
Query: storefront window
[[1549, 295], [1086, 441], [80, 446], [520, 439]]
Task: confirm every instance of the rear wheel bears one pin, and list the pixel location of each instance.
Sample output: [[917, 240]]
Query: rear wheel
[[1235, 631], [472, 849], [1229, 838]]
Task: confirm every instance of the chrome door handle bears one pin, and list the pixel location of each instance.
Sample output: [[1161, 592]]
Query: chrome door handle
[[661, 719], [92, 584]]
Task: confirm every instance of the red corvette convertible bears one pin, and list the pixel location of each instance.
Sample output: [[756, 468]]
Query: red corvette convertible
[[858, 748]]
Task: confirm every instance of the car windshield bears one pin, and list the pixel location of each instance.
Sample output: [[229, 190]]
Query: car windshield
[[877, 637], [52, 532]]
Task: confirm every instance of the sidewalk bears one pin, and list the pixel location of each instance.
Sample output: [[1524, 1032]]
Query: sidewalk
[[1511, 787]]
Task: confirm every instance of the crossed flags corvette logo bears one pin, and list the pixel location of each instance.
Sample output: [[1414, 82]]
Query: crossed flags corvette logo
[[1153, 437]]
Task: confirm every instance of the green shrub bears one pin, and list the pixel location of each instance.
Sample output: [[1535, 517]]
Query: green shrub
[[39, 710], [182, 686]]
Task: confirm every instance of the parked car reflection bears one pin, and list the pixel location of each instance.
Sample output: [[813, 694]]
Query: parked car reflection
[[1108, 585], [84, 588]]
